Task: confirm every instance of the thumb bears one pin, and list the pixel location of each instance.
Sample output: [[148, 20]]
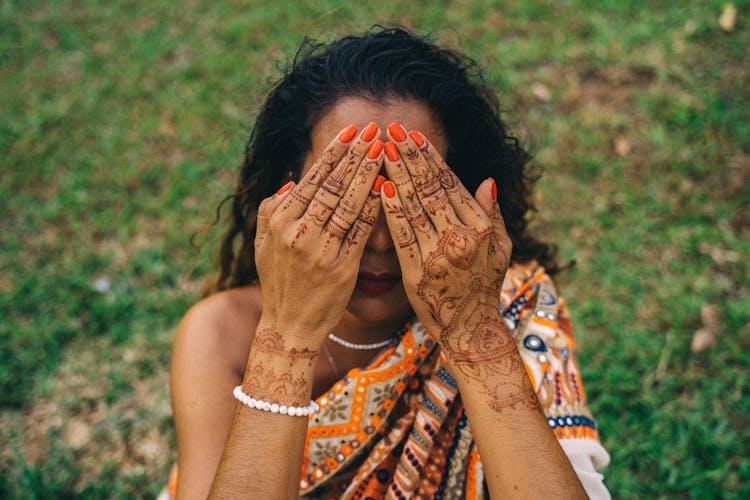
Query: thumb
[[486, 195], [267, 209]]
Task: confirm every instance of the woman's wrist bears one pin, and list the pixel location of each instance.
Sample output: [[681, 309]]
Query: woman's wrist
[[288, 334], [279, 369]]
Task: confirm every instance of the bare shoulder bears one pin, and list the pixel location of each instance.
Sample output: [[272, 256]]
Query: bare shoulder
[[221, 325], [208, 359]]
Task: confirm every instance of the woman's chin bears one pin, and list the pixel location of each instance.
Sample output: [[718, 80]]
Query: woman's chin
[[371, 307]]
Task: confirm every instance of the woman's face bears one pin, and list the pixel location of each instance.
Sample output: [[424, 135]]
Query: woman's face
[[379, 295]]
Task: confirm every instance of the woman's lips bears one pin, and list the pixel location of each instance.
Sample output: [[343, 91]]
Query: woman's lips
[[377, 283]]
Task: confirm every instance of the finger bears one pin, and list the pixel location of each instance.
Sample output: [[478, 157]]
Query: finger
[[267, 209], [486, 198], [413, 210], [351, 203], [430, 192], [300, 197], [460, 198], [333, 187], [500, 248], [357, 237], [404, 239], [486, 195]]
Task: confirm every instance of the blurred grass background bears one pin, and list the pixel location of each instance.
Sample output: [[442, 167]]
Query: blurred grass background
[[121, 127]]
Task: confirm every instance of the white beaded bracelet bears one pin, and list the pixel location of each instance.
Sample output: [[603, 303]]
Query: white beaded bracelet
[[292, 411]]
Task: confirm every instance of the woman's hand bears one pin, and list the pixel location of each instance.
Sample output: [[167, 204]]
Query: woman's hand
[[310, 237], [454, 252]]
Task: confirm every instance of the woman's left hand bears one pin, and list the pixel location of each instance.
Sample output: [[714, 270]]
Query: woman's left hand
[[453, 250]]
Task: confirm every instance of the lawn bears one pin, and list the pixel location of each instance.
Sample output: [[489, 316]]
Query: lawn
[[122, 126]]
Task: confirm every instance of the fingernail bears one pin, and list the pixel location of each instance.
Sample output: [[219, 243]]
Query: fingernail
[[283, 189], [494, 189], [369, 132], [375, 149], [379, 180], [397, 131], [348, 134], [391, 152], [389, 190], [417, 138]]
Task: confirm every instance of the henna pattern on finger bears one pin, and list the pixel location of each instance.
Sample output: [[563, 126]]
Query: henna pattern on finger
[[318, 212], [448, 180], [500, 258], [319, 170], [409, 200], [294, 197], [437, 206], [405, 238], [365, 221], [369, 213], [428, 186], [422, 224], [335, 230], [299, 233], [363, 175], [413, 156]]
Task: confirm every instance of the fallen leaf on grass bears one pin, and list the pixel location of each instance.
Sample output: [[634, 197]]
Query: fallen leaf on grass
[[728, 17], [77, 433], [719, 255], [704, 338], [541, 91], [622, 146]]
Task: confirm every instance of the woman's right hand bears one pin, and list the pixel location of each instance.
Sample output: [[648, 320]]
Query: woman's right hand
[[310, 238]]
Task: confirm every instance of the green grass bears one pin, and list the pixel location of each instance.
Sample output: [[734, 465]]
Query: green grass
[[121, 127]]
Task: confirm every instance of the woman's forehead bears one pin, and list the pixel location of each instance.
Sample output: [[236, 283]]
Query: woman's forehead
[[411, 114]]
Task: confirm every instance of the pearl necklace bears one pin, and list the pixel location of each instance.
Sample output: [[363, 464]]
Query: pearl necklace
[[366, 347]]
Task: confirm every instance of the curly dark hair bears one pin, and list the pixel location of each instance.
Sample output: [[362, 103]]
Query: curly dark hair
[[382, 63]]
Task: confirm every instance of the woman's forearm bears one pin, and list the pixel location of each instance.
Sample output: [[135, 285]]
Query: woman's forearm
[[263, 453], [515, 443]]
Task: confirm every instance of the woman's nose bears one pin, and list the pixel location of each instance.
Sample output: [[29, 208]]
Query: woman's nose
[[380, 238]]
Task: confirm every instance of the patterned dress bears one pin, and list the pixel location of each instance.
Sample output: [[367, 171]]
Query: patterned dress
[[398, 428]]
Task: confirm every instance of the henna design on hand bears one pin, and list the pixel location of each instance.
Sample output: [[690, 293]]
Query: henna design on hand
[[285, 382], [428, 186], [335, 230], [461, 293], [448, 180], [437, 206], [301, 230], [269, 341], [404, 237], [422, 224], [410, 200], [413, 156], [265, 383]]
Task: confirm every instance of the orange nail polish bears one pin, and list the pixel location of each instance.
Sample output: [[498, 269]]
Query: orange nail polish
[[391, 152], [379, 180], [397, 132], [375, 149], [494, 189], [389, 189], [369, 132], [348, 134], [417, 138], [283, 189]]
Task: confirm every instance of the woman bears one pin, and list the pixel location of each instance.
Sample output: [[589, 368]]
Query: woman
[[370, 282]]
